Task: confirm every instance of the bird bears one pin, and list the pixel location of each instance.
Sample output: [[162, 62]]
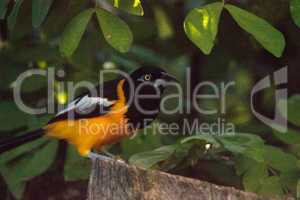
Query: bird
[[115, 111]]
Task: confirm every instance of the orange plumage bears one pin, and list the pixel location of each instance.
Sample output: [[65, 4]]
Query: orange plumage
[[95, 132], [93, 120]]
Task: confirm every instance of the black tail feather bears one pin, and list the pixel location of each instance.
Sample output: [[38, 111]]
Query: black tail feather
[[14, 142]]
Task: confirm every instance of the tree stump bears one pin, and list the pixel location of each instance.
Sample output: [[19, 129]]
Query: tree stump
[[112, 180]]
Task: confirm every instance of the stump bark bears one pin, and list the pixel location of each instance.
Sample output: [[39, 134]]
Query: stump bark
[[112, 180]]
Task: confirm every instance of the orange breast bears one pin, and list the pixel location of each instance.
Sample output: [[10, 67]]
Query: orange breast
[[95, 132]]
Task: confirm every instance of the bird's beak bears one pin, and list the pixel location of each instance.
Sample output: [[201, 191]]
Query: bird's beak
[[169, 78]]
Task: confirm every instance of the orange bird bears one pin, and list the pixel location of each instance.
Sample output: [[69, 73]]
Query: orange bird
[[96, 119]]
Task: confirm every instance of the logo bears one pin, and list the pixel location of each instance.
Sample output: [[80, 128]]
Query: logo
[[279, 122]]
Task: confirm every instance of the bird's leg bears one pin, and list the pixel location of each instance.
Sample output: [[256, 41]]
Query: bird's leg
[[108, 156], [94, 156]]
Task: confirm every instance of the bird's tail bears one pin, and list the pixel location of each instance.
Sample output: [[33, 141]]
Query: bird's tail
[[14, 142]]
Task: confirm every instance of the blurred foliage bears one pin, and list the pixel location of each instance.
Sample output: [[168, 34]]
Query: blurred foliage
[[295, 11], [131, 6], [39, 11], [26, 162], [83, 37]]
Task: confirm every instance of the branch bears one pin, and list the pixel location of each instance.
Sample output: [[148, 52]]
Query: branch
[[112, 180]]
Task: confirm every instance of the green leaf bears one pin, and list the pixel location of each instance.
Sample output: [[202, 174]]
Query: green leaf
[[293, 108], [243, 164], [271, 187], [295, 11], [290, 137], [150, 158], [16, 187], [38, 121], [256, 153], [73, 33], [289, 180], [240, 142], [31, 164], [163, 22], [298, 189], [269, 37], [183, 151], [12, 116], [207, 138], [201, 26], [12, 18], [115, 31], [26, 163], [40, 10], [249, 145], [24, 149], [131, 6], [254, 177], [279, 160], [76, 167], [3, 8]]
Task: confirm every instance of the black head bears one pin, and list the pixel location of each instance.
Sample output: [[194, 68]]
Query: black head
[[152, 76], [145, 90], [148, 81]]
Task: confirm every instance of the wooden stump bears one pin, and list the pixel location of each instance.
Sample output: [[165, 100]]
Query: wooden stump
[[112, 180]]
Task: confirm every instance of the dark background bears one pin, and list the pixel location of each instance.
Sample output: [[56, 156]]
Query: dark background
[[159, 40]]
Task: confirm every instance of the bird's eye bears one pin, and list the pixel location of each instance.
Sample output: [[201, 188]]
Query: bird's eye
[[147, 77]]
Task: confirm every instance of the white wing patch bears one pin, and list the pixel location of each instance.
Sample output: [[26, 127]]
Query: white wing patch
[[85, 104]]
